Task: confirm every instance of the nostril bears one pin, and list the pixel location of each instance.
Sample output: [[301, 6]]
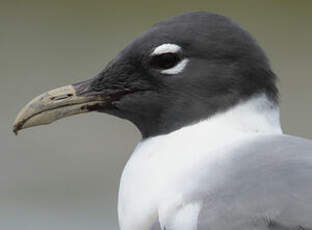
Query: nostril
[[61, 97]]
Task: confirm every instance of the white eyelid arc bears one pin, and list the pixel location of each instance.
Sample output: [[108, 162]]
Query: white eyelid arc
[[166, 48], [176, 69]]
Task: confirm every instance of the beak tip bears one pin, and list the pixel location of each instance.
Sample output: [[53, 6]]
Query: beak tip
[[16, 127], [15, 131]]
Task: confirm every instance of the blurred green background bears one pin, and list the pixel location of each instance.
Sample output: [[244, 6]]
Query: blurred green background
[[65, 176]]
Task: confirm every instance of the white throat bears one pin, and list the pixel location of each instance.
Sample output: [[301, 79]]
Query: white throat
[[160, 166]]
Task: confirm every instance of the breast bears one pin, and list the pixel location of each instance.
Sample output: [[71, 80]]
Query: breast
[[164, 173]]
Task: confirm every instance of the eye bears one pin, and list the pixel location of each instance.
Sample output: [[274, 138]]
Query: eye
[[168, 59], [165, 61]]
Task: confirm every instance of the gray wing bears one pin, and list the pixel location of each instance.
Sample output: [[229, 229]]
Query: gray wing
[[268, 185]]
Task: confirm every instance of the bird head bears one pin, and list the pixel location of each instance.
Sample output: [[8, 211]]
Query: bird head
[[182, 70]]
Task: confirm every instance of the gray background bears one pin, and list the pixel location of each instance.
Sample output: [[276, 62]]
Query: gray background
[[66, 175]]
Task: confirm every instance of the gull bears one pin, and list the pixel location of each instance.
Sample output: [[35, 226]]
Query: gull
[[201, 91]]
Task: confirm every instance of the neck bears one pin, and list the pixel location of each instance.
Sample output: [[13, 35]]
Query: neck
[[258, 115]]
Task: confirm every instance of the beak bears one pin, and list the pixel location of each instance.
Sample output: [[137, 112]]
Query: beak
[[59, 103]]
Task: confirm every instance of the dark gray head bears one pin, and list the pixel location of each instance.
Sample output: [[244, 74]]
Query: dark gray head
[[223, 65], [180, 71]]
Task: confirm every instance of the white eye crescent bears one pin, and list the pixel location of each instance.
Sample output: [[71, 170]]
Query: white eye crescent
[[167, 58], [166, 48], [176, 69]]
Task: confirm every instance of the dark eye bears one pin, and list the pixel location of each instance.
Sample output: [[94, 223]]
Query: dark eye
[[165, 61]]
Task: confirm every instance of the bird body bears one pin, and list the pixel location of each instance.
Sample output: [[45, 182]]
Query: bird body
[[168, 175]]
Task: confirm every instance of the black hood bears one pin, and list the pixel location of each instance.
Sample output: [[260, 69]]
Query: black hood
[[222, 66]]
